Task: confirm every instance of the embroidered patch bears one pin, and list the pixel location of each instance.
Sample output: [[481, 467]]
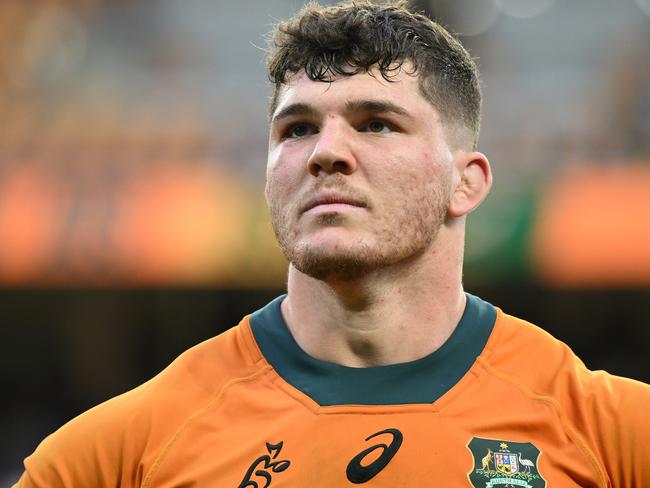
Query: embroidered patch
[[504, 463]]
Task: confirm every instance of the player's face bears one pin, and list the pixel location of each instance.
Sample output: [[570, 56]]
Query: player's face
[[358, 175]]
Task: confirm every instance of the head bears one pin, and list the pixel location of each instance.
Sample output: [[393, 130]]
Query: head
[[374, 122], [355, 36]]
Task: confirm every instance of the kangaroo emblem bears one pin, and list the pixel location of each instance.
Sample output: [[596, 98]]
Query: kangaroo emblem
[[486, 460]]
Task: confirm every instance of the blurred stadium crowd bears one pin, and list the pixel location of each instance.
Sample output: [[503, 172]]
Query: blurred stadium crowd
[[132, 154], [133, 134]]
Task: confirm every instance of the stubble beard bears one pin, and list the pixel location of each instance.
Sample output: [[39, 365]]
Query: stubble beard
[[408, 232]]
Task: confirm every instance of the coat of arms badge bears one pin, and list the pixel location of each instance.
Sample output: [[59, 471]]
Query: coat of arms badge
[[504, 464]]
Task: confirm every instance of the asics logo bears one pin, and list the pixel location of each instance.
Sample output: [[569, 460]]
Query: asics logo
[[359, 473]]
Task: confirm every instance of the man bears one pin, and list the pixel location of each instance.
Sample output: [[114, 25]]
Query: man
[[375, 369]]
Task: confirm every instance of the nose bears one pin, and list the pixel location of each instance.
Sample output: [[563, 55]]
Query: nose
[[333, 151]]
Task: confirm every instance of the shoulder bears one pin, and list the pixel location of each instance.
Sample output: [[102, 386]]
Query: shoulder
[[192, 379], [113, 443], [546, 365], [204, 369], [605, 412]]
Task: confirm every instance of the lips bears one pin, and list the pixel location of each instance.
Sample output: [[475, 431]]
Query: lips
[[332, 199]]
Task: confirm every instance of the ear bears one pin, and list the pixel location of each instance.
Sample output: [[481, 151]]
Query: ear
[[473, 182]]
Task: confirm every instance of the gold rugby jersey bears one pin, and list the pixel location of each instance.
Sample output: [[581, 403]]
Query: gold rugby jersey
[[500, 404]]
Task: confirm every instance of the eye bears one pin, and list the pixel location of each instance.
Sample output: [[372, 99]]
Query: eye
[[377, 127], [297, 131]]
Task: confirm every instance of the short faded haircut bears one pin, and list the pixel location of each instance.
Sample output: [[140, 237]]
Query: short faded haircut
[[356, 36]]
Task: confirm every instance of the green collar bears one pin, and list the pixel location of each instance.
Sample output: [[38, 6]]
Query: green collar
[[421, 381]]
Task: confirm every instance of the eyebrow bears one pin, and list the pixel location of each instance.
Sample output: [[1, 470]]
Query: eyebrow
[[294, 109], [376, 106], [380, 106]]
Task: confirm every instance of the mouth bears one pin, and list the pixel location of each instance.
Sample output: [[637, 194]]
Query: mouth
[[333, 202]]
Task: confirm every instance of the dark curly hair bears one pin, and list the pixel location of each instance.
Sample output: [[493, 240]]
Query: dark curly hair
[[357, 35]]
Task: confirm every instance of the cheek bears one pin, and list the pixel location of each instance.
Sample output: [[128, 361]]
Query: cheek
[[273, 189], [287, 163], [282, 184], [404, 173], [276, 168], [434, 162], [414, 185]]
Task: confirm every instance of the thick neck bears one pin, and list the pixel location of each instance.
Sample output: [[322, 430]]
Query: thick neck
[[396, 314], [421, 381]]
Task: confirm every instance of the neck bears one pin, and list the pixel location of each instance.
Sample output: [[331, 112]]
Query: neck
[[392, 315]]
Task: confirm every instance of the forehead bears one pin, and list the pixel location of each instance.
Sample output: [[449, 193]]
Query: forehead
[[402, 89]]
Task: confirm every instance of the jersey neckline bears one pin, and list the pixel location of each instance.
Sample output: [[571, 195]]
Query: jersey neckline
[[422, 381]]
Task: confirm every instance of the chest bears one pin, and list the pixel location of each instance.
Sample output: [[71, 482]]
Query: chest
[[288, 445]]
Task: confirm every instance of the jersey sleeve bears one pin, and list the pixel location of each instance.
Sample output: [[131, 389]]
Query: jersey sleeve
[[620, 430], [607, 415], [118, 443], [99, 448]]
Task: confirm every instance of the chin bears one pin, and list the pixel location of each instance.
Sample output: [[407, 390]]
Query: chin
[[333, 263], [324, 259], [332, 268]]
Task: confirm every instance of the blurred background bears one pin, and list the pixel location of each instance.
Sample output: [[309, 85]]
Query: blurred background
[[132, 155]]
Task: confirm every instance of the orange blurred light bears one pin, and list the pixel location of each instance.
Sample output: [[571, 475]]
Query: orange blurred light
[[30, 216], [594, 228], [178, 225]]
